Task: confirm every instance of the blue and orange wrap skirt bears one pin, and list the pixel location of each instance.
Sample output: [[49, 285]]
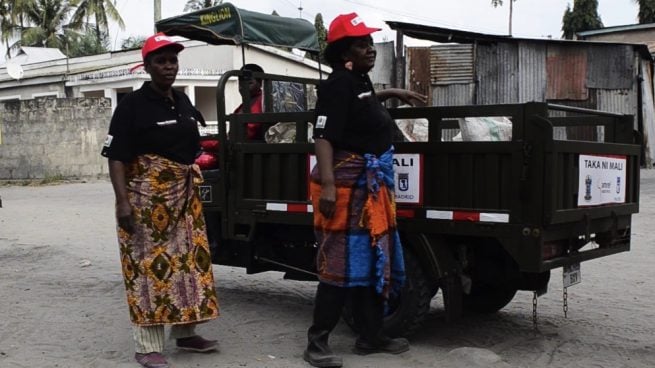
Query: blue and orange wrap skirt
[[360, 245]]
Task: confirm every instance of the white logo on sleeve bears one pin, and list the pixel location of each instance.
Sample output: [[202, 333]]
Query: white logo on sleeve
[[108, 140], [320, 121], [365, 95]]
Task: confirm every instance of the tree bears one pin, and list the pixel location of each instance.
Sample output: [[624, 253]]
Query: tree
[[497, 3], [46, 24], [583, 17], [321, 33], [85, 42], [12, 19], [193, 5], [133, 42], [101, 11], [646, 11]]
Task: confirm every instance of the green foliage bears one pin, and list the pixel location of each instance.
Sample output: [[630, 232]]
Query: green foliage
[[101, 11], [133, 42], [86, 43], [321, 33], [646, 11], [583, 17], [43, 23], [46, 19]]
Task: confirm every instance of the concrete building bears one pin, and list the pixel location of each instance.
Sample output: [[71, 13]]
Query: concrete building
[[633, 33], [108, 75]]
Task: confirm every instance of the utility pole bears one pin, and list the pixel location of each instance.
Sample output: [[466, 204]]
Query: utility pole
[[511, 3], [157, 4]]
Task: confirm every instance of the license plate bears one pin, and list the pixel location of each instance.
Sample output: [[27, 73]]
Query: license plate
[[572, 275]]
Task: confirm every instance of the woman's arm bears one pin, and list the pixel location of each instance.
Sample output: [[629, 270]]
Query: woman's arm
[[123, 208], [404, 95], [324, 159]]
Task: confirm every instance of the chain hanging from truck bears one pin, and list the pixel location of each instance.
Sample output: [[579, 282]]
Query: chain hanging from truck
[[565, 300]]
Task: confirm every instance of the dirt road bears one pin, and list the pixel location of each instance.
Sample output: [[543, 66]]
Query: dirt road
[[62, 302]]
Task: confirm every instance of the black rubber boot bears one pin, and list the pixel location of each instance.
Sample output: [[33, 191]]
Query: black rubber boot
[[327, 311], [368, 307]]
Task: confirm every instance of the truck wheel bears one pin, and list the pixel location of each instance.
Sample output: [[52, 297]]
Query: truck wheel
[[486, 298], [406, 311]]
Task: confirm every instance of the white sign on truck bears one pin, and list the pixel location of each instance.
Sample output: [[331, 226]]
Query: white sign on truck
[[601, 180]]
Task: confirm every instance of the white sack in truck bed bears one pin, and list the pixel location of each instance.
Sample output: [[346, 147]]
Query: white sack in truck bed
[[486, 128]]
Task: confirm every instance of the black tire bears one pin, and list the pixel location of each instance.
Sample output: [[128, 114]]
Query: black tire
[[486, 298], [409, 309]]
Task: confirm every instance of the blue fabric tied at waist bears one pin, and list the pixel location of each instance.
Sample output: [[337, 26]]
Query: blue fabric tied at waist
[[378, 169]]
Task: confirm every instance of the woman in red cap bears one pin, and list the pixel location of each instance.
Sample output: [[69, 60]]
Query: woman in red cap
[[151, 146], [352, 189]]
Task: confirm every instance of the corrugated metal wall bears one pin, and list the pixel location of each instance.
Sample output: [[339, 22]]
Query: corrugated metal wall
[[532, 72], [610, 67], [497, 73], [566, 69], [453, 95], [382, 73], [590, 76], [451, 64], [418, 71]]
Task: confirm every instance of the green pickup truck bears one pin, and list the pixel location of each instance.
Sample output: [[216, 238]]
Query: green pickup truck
[[478, 220]]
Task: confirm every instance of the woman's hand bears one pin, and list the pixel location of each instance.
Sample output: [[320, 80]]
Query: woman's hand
[[124, 217], [405, 95], [327, 201]]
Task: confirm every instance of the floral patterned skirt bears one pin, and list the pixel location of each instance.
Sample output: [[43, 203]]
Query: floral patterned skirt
[[166, 262]]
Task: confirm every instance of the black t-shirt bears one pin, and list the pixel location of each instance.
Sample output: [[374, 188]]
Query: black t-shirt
[[147, 122], [349, 115]]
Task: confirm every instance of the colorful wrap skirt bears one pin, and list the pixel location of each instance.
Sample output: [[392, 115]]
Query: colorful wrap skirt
[[360, 245], [166, 262]]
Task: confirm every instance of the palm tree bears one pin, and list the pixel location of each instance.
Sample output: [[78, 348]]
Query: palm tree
[[101, 11], [12, 20], [646, 11], [46, 19], [6, 26], [193, 5], [497, 3]]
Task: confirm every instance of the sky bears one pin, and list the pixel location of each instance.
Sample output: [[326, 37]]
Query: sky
[[531, 18]]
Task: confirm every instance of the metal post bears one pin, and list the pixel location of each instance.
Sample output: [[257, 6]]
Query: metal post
[[157, 15]]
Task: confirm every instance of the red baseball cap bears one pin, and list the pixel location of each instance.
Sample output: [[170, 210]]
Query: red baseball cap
[[156, 42], [348, 25]]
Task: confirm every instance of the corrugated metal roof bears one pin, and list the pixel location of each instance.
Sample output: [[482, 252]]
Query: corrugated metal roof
[[447, 35], [615, 29], [451, 64], [31, 55], [567, 73]]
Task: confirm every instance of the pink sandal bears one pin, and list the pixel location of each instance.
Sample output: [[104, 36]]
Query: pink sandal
[[151, 360]]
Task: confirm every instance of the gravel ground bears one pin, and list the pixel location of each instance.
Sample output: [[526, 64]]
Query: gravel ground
[[62, 302]]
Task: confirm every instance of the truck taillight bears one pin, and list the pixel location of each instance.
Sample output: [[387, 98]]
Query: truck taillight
[[552, 250]]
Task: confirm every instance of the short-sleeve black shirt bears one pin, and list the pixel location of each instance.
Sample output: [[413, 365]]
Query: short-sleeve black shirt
[[349, 115], [147, 122]]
